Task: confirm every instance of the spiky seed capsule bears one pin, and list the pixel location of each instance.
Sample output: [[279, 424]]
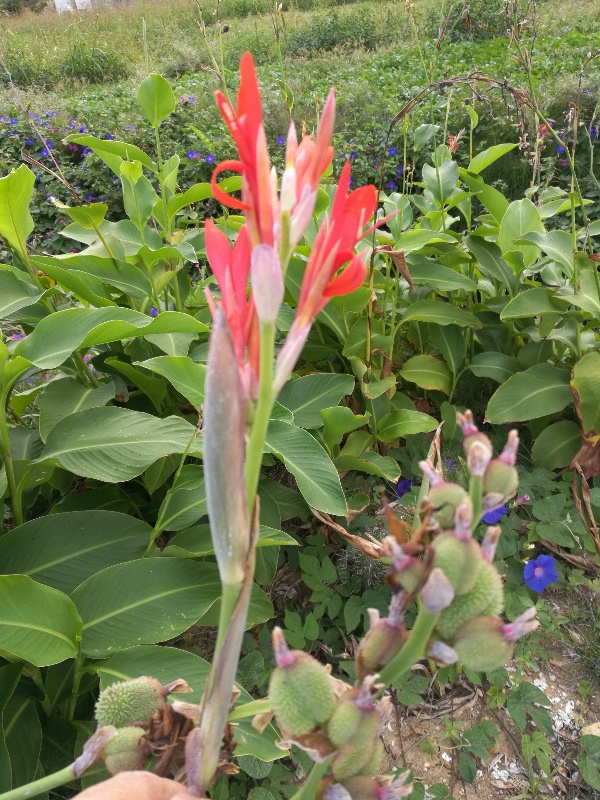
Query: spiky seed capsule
[[460, 560], [301, 694], [481, 645], [444, 500], [486, 596], [351, 722], [378, 647], [129, 701], [501, 479], [125, 751], [354, 759]]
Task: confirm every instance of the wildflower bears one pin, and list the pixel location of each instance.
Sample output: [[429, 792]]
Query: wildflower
[[492, 517], [29, 141], [89, 197], [399, 169], [540, 572], [86, 151], [453, 141], [88, 357], [209, 158], [192, 154], [404, 486], [50, 145], [82, 129], [593, 133], [130, 128], [564, 163], [191, 99], [153, 312], [390, 185], [109, 136], [560, 149], [392, 151], [13, 121], [71, 125], [353, 155], [16, 336], [280, 141], [44, 153], [73, 148]]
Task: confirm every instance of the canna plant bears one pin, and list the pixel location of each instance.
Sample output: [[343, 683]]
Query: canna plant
[[437, 564]]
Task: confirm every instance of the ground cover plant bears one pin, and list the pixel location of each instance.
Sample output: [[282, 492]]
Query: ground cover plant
[[471, 299]]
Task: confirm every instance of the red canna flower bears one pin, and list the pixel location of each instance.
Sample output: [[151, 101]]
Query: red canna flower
[[453, 141]]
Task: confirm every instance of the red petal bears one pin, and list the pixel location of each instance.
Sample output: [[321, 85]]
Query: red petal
[[218, 193], [218, 250]]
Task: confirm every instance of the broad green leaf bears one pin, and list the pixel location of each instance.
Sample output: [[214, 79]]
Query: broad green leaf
[[556, 445], [66, 396], [185, 501], [23, 737], [173, 344], [355, 341], [442, 181], [58, 335], [452, 344], [114, 444], [440, 313], [588, 760], [306, 397], [196, 542], [340, 420], [85, 287], [89, 216], [308, 462], [9, 679], [15, 293], [496, 366], [586, 388], [289, 503], [424, 133], [416, 239], [63, 550], [143, 602], [195, 194], [491, 198], [428, 373], [536, 392], [111, 151], [557, 245], [530, 303], [156, 99], [490, 262], [370, 463], [37, 623], [186, 375], [482, 160], [139, 197], [16, 190], [521, 217], [374, 389], [115, 272], [403, 423], [154, 388], [260, 610], [429, 271]]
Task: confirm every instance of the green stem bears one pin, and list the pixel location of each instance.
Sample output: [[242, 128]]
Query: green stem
[[476, 495], [414, 648], [249, 710], [41, 786], [77, 675], [84, 370], [308, 790], [260, 425], [229, 597], [17, 511]]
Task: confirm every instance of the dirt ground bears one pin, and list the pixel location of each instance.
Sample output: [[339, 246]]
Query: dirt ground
[[502, 775]]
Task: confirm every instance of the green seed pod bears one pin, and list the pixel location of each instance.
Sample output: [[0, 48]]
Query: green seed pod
[[355, 719], [444, 500], [300, 690], [362, 787], [126, 751], [500, 479], [459, 559], [383, 640], [353, 759], [481, 644], [130, 701], [487, 594]]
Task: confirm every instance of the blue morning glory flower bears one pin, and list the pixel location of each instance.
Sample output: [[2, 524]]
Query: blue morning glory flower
[[280, 140], [353, 155], [153, 312], [560, 149], [13, 121], [392, 151], [89, 197], [44, 153], [399, 169], [109, 136], [209, 158], [540, 572], [492, 517], [404, 486], [390, 185], [29, 141]]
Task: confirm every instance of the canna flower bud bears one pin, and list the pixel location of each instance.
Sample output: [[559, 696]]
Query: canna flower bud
[[501, 478], [383, 640], [300, 690], [459, 559], [443, 497], [489, 543], [471, 433], [478, 458], [129, 701], [442, 653], [406, 570], [354, 729], [126, 751], [438, 593], [485, 597], [267, 282], [486, 643], [463, 519]]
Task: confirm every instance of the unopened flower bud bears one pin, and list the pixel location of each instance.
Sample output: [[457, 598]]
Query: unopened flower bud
[[478, 458], [443, 497], [459, 559], [267, 282], [442, 653], [486, 643], [354, 729], [438, 593], [485, 597], [383, 640], [300, 689], [360, 758], [126, 702], [509, 454], [490, 540], [463, 519], [471, 432], [406, 570], [126, 751], [500, 481]]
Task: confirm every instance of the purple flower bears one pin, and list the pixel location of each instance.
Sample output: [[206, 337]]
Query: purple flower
[[86, 151], [353, 155], [50, 145], [280, 140], [73, 148], [492, 517], [16, 336], [540, 572], [192, 154], [399, 169], [153, 312], [392, 151], [44, 153], [390, 185], [191, 99], [88, 357], [89, 197], [82, 129], [109, 136], [209, 158], [29, 141], [13, 121], [560, 149], [593, 133], [404, 486]]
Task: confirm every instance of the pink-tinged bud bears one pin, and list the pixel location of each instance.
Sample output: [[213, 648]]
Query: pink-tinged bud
[[434, 477], [523, 499], [459, 559], [406, 570], [383, 640], [489, 543], [302, 214], [524, 623], [267, 282], [288, 189], [491, 501], [486, 597], [463, 519], [471, 432], [478, 458], [509, 454], [438, 593], [288, 355], [442, 654]]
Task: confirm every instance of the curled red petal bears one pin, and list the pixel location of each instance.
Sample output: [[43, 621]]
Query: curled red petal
[[218, 193], [348, 280]]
